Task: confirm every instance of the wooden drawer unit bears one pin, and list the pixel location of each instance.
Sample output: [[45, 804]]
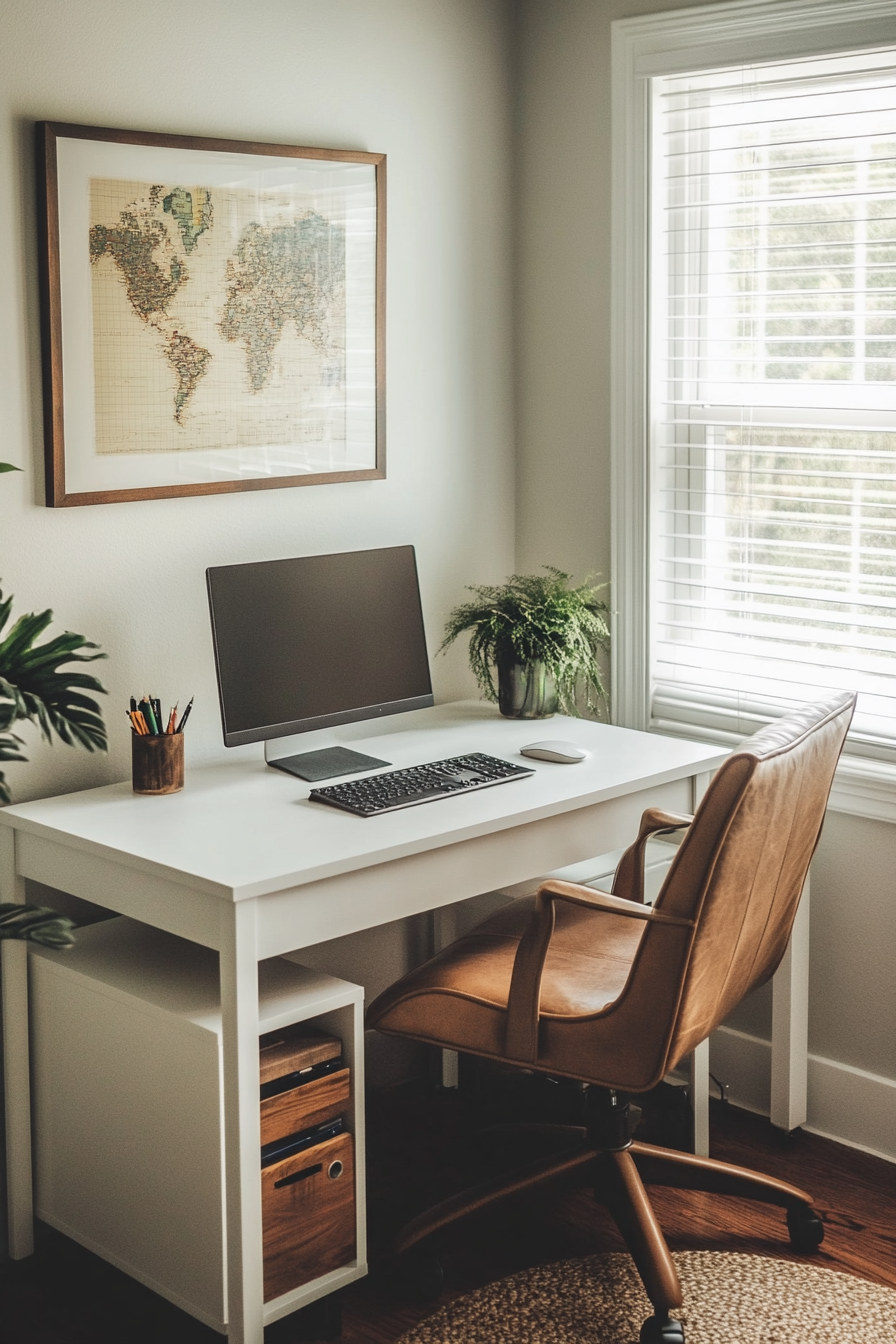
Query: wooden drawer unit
[[308, 1213], [284, 1052], [126, 1054], [296, 1057], [309, 1104]]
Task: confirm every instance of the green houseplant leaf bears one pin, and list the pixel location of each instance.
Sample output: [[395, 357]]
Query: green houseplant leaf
[[38, 683], [537, 618], [9, 742], [32, 687], [37, 924]]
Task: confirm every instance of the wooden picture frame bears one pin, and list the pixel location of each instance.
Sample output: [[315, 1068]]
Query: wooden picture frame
[[213, 314]]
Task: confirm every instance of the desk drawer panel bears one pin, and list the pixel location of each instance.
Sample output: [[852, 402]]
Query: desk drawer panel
[[308, 1215], [300, 1108]]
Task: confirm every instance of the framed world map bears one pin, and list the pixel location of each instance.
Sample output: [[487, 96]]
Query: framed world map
[[213, 314]]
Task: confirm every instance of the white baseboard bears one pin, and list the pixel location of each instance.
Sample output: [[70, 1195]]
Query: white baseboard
[[844, 1103]]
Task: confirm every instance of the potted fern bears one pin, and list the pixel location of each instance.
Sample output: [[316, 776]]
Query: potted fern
[[34, 687], [534, 643]]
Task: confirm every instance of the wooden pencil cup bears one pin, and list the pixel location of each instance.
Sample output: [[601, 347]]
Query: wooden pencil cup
[[157, 763]]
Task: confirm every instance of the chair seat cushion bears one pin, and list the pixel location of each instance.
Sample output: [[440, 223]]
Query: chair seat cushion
[[458, 999]]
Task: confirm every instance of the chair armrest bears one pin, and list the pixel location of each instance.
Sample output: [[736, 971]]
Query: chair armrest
[[629, 879], [521, 1039]]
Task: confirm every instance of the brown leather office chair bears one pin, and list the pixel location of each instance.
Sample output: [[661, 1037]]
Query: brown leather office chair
[[577, 983]]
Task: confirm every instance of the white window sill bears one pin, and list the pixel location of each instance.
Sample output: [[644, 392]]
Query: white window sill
[[863, 786]]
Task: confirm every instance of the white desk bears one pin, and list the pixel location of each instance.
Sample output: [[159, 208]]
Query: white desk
[[243, 863]]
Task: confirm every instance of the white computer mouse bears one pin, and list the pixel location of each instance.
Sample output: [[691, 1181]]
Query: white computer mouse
[[565, 753]]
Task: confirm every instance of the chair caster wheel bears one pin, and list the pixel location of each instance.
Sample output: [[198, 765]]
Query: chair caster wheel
[[420, 1277], [656, 1331], [806, 1230]]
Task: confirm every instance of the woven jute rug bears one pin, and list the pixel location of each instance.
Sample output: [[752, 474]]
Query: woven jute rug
[[728, 1299]]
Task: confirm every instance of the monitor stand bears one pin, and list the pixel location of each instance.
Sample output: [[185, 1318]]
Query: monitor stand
[[326, 763]]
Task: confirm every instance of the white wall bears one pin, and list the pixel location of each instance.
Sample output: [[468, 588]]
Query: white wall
[[425, 81], [562, 287], [563, 317]]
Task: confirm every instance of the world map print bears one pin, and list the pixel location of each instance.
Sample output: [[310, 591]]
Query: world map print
[[218, 318]]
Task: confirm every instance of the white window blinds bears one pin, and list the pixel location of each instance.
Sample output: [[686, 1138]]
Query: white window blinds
[[773, 393]]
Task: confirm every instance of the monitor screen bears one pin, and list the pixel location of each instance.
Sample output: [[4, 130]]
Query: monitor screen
[[317, 641]]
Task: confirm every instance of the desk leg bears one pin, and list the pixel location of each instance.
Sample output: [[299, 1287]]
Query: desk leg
[[790, 1025], [698, 1083], [445, 932], [698, 1062], [699, 785], [16, 1069], [242, 1129]]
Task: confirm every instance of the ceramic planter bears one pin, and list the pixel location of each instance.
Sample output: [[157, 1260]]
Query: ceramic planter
[[526, 690]]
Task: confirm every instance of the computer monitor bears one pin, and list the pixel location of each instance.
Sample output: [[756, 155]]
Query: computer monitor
[[314, 642]]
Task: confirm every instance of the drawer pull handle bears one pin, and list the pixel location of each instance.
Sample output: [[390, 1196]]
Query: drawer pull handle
[[299, 1176]]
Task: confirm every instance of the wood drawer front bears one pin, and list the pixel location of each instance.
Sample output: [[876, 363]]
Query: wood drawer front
[[311, 1104], [281, 1056], [308, 1215]]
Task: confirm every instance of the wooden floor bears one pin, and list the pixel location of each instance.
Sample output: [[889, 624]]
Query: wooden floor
[[421, 1144]]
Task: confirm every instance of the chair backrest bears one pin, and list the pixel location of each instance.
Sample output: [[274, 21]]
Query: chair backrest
[[740, 870]]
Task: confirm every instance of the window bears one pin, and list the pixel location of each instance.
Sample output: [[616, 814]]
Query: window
[[773, 354], [763, 369]]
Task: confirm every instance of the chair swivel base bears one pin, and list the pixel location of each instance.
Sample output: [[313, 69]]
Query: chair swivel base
[[657, 1331], [619, 1171]]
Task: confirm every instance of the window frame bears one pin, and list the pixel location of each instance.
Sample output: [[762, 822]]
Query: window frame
[[700, 37]]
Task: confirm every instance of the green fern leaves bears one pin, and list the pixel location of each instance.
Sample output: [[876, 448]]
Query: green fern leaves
[[33, 687]]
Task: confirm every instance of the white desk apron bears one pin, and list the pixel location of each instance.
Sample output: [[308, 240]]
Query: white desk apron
[[241, 861]]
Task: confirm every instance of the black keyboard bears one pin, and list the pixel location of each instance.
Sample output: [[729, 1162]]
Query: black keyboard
[[419, 784]]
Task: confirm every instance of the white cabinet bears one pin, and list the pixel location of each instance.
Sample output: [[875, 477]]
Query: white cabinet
[[128, 1109]]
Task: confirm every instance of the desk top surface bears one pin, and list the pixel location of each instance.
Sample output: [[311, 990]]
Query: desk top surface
[[242, 829]]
